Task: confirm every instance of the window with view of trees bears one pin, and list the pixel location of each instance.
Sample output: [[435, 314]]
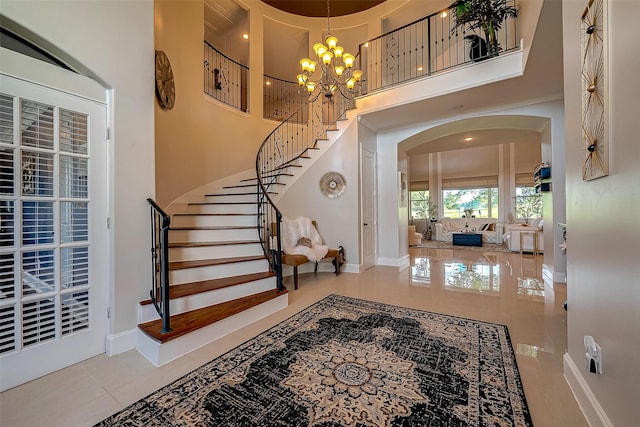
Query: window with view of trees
[[483, 202], [528, 203], [419, 204]]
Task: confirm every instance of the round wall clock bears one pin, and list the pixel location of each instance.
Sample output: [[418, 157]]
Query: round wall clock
[[165, 84], [594, 85]]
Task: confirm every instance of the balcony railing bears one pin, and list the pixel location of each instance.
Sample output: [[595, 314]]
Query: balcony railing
[[281, 99], [423, 48], [225, 79]]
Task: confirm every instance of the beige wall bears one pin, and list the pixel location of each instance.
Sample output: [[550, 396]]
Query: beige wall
[[603, 245], [201, 140]]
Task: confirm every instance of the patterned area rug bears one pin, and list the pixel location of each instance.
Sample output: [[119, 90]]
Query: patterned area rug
[[486, 247], [350, 362]]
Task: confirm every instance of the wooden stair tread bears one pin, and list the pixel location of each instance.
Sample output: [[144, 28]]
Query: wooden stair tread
[[214, 214], [249, 193], [190, 321], [215, 227], [193, 288], [220, 203], [179, 265], [216, 243]]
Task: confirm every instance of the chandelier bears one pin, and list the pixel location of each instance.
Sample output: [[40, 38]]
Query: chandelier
[[336, 68]]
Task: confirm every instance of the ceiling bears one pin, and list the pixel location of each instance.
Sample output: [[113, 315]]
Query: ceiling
[[318, 8]]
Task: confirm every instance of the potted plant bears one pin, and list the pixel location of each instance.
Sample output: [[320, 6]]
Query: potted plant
[[486, 15]]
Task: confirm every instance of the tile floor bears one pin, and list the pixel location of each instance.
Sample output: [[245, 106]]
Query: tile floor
[[495, 287]]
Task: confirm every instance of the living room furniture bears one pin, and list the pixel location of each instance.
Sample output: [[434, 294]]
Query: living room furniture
[[296, 260], [467, 239], [520, 238], [490, 229], [414, 237]]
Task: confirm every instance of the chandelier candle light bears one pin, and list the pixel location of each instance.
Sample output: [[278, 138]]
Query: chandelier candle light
[[336, 68]]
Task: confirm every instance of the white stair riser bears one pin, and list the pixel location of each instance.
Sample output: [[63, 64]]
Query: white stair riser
[[213, 235], [198, 274], [213, 220], [232, 198], [212, 252], [160, 354], [148, 312], [250, 208]]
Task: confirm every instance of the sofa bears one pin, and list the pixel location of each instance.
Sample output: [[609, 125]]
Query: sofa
[[490, 228], [513, 232]]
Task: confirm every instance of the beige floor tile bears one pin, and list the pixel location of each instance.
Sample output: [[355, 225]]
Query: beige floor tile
[[512, 293]]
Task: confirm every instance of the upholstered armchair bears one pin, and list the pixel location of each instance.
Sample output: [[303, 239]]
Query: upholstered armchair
[[414, 238]]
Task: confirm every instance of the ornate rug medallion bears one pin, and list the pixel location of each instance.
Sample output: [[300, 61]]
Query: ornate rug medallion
[[350, 362]]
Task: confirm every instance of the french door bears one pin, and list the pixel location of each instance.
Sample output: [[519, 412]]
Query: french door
[[53, 234]]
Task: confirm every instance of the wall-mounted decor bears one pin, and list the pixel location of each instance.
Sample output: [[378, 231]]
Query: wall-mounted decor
[[403, 189], [332, 184], [165, 84], [594, 91]]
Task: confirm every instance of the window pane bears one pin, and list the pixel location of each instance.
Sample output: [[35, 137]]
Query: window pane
[[6, 172], [37, 223], [73, 177], [38, 321], [74, 266], [6, 119], [74, 223], [38, 272], [37, 174], [7, 277], [473, 202], [74, 312], [37, 125], [528, 203], [73, 132], [419, 204], [7, 231]]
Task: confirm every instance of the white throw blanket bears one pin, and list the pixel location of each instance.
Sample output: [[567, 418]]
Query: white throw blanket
[[300, 237]]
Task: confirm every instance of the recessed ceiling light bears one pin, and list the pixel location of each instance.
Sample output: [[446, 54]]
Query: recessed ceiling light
[[468, 139], [245, 36]]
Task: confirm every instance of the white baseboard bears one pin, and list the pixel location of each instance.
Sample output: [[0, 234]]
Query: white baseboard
[[121, 342], [404, 262], [549, 275], [560, 277], [593, 412]]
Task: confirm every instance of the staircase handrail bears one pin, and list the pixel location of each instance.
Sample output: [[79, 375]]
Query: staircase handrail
[[159, 292], [286, 144]]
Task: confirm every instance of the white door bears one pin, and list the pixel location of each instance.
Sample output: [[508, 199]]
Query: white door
[[368, 174], [53, 238]]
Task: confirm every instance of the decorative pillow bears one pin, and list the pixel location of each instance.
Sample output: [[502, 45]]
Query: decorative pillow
[[304, 241], [492, 227], [484, 227]]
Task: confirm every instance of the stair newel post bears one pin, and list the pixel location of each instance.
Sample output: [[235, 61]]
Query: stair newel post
[[278, 254], [160, 223], [164, 245]]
